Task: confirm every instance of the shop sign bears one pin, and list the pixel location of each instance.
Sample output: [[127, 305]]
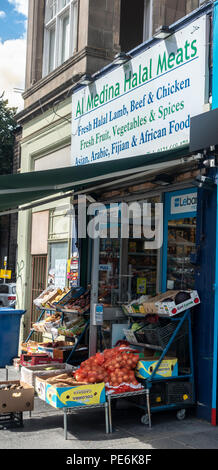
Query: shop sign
[[5, 274], [146, 105], [141, 285], [98, 314], [60, 272], [184, 203], [105, 267]]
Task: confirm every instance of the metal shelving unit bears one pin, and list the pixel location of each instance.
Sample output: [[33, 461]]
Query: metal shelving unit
[[188, 377], [61, 309]]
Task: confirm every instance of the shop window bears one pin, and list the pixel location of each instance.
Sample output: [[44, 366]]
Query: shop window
[[59, 224], [127, 269], [60, 41], [181, 243], [148, 21], [131, 24], [57, 264], [40, 221]]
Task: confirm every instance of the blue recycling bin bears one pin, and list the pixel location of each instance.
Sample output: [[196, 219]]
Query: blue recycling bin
[[9, 334]]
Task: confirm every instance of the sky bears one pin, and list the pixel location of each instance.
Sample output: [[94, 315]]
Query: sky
[[13, 24]]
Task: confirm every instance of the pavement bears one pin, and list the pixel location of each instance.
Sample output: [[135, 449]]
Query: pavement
[[44, 429]]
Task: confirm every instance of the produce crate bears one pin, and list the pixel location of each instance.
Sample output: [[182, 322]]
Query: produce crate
[[28, 374], [158, 394], [34, 359], [74, 293], [179, 392], [11, 420], [16, 400], [159, 334]]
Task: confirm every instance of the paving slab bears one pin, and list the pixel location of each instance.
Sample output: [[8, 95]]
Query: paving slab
[[86, 429]]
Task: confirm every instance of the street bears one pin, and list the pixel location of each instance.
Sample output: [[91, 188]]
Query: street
[[86, 429]]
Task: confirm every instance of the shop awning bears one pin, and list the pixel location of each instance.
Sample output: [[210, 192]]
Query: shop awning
[[23, 188]]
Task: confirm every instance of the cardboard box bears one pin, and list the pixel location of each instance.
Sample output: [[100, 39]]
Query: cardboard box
[[16, 363], [12, 401], [28, 374], [33, 359], [57, 354], [167, 368], [158, 306], [68, 397]]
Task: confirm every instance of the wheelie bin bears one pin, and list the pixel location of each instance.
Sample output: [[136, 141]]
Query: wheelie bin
[[9, 334]]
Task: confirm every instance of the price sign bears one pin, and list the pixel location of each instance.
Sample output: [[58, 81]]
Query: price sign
[[5, 274]]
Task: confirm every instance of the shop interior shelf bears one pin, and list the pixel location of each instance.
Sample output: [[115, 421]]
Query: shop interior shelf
[[179, 226], [141, 253], [185, 243], [153, 268], [148, 346]]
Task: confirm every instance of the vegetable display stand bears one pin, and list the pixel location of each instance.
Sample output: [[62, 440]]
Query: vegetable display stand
[[58, 312], [177, 386], [183, 384], [68, 411], [121, 395]]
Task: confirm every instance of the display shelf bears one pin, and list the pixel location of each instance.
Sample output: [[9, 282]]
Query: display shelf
[[181, 226], [149, 346], [186, 243], [153, 378], [140, 253], [153, 268]]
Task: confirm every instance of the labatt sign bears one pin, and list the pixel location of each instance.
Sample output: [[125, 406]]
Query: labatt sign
[[144, 106]]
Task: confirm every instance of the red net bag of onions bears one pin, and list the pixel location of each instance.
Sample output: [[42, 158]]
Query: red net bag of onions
[[115, 367]]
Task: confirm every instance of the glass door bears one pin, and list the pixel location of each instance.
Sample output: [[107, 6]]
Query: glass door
[[179, 240]]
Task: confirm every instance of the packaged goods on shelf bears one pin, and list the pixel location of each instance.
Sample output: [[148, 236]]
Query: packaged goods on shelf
[[29, 347], [77, 304], [33, 359], [75, 330], [28, 374], [47, 296], [46, 325], [16, 396], [56, 351], [135, 306], [16, 363], [167, 368], [63, 391], [172, 302], [167, 304]]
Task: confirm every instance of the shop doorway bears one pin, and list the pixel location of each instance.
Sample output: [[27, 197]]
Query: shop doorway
[[179, 242], [39, 283]]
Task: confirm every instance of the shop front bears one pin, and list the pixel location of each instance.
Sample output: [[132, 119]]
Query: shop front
[[141, 274], [143, 107]]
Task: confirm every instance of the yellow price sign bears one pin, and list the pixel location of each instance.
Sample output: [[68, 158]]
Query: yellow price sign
[[141, 285], [5, 274]]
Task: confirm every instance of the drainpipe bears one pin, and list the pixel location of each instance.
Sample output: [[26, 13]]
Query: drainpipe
[[215, 340]]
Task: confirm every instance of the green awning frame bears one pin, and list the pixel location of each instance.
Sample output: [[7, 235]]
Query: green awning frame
[[23, 188]]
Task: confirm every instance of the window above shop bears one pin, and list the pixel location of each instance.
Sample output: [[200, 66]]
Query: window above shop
[[60, 33]]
